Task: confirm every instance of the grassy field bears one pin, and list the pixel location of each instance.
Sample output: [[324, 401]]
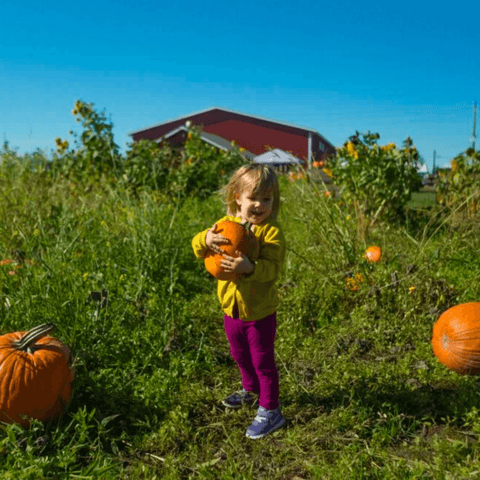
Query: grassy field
[[424, 198], [363, 395]]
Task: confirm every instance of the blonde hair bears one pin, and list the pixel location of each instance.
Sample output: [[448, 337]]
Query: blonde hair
[[254, 178]]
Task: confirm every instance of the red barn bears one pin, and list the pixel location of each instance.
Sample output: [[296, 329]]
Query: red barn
[[255, 134]]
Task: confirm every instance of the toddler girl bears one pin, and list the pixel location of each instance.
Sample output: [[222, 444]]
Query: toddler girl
[[250, 302]]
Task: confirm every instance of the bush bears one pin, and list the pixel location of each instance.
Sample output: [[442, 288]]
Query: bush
[[202, 168], [459, 189], [377, 181], [147, 165], [96, 153]]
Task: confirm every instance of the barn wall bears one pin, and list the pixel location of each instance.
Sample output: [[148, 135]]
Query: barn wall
[[257, 138], [205, 118], [320, 148]]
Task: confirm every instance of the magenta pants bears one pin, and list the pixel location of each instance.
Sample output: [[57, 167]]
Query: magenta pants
[[252, 347]]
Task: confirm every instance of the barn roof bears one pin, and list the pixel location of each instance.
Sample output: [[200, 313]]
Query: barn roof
[[277, 157], [306, 129], [211, 139]]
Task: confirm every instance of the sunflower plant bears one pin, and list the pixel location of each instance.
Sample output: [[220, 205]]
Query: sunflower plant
[[201, 168], [95, 153], [377, 181], [459, 188], [147, 166]]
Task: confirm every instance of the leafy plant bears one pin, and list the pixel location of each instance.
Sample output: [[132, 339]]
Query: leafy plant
[[147, 165], [96, 153], [202, 169], [377, 181], [459, 188]]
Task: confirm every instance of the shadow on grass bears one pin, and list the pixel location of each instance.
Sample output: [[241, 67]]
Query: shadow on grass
[[410, 399], [130, 414]]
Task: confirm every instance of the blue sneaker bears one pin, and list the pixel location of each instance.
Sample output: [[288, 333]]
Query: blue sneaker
[[265, 422], [237, 399]]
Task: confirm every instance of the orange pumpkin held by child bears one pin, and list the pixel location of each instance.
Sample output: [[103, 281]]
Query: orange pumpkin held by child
[[241, 238], [456, 338], [36, 377], [373, 253]]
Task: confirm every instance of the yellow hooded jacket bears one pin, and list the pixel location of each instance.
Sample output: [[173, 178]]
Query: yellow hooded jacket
[[256, 294]]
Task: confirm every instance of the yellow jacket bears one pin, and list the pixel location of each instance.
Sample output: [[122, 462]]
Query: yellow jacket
[[255, 294]]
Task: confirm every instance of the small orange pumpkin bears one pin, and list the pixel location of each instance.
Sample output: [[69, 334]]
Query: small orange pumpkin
[[456, 338], [373, 253], [241, 238], [36, 377]]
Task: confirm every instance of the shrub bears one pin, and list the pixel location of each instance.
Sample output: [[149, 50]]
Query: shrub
[[202, 168], [459, 188], [197, 170], [147, 165], [96, 153], [376, 180]]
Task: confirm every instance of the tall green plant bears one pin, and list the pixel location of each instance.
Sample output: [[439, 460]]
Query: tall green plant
[[376, 180], [11, 163], [196, 170], [96, 152], [202, 169], [459, 188], [147, 165]]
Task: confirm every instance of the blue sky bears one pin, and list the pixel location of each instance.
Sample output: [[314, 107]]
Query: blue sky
[[398, 69]]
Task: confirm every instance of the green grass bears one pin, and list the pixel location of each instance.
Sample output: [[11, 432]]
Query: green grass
[[363, 395], [422, 199]]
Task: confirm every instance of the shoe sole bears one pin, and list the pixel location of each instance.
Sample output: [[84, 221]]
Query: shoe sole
[[256, 437]]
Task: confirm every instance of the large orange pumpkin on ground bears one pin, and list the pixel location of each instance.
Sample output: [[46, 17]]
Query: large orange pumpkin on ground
[[35, 376], [373, 253], [456, 338], [241, 238]]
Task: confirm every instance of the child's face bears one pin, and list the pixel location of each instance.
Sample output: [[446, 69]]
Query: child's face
[[254, 207]]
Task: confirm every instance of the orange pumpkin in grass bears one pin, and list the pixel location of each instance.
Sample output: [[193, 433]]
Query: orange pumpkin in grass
[[35, 376], [241, 238], [456, 338], [373, 254]]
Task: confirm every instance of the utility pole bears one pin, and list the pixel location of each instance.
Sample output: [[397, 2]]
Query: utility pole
[[474, 134], [435, 156]]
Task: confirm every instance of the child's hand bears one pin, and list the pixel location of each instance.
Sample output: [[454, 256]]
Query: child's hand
[[241, 264], [213, 238]]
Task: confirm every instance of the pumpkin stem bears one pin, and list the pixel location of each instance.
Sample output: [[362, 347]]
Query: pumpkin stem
[[247, 226], [27, 340]]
